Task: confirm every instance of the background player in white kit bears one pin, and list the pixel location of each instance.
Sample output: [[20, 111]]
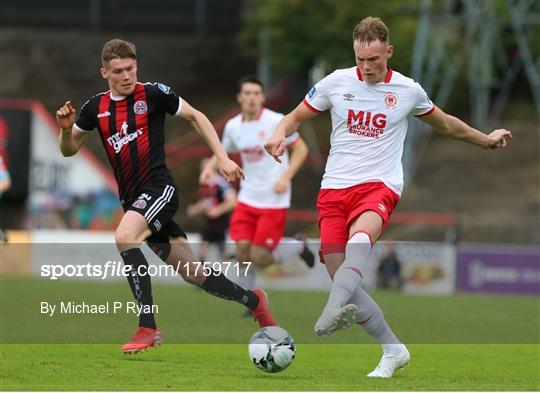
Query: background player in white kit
[[363, 180], [258, 221]]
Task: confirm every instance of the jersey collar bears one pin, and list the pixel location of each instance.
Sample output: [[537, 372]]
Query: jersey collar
[[386, 80], [242, 119], [116, 98]]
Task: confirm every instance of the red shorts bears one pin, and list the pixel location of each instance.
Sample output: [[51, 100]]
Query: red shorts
[[339, 207], [263, 227]]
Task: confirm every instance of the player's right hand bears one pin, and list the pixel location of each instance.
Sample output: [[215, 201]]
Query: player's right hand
[[275, 146], [230, 170], [65, 116], [499, 139]]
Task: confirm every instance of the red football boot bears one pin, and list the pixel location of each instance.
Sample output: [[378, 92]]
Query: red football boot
[[143, 339], [262, 313]]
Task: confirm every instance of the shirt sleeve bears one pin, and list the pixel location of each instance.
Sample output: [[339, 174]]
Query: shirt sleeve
[[87, 118], [422, 105], [318, 98], [292, 139], [227, 140], [167, 100]]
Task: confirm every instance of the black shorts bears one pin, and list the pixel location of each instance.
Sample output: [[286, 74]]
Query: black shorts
[[214, 233], [158, 205]]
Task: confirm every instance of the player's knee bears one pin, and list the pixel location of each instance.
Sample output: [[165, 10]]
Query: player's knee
[[243, 252], [125, 239], [261, 257]]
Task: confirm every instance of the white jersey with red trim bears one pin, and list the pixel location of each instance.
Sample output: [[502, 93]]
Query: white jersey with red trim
[[369, 125], [260, 169]]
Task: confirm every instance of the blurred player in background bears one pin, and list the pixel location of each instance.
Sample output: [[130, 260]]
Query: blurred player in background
[[130, 121], [258, 221], [363, 180], [216, 200]]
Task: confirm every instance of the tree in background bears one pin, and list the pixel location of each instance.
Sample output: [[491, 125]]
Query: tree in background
[[303, 33]]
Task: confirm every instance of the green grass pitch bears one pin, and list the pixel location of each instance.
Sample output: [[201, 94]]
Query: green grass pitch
[[465, 342]]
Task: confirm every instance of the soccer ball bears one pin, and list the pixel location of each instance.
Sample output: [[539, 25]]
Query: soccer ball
[[271, 349]]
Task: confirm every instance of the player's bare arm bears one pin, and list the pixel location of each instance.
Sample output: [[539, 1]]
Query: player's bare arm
[[195, 208], [227, 167], [275, 146], [70, 140], [453, 127], [298, 153]]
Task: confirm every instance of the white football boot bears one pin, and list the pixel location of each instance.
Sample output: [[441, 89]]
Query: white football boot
[[333, 319], [391, 361]]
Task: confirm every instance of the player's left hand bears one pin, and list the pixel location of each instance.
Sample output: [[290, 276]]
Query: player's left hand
[[281, 186], [230, 170], [499, 139]]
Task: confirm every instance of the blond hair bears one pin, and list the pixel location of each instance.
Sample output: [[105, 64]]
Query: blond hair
[[371, 29], [118, 49]]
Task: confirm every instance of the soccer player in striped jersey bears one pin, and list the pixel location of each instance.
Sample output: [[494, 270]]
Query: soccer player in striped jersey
[[130, 122], [369, 105]]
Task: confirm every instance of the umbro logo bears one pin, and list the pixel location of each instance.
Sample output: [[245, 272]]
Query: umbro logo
[[348, 97], [104, 114]]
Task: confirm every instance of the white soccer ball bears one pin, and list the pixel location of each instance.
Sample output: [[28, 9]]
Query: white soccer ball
[[272, 349]]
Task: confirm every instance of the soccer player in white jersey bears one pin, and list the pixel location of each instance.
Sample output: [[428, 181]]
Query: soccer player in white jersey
[[363, 180], [258, 221]]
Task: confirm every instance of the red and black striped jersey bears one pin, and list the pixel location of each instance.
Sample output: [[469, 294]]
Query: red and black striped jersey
[[132, 131]]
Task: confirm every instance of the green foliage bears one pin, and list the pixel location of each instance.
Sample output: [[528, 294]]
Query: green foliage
[[301, 32]]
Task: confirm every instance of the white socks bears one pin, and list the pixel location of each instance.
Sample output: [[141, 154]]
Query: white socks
[[346, 289], [371, 318], [348, 276]]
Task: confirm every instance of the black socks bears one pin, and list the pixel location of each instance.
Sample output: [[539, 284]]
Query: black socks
[[140, 285], [221, 286]]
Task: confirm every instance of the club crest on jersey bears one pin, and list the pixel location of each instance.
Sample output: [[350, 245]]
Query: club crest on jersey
[[261, 134], [140, 108], [390, 100], [139, 204]]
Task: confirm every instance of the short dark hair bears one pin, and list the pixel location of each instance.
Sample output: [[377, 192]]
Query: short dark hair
[[371, 29], [249, 79], [118, 49]]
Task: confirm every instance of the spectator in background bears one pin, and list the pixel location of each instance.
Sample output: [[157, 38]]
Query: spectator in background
[[216, 200], [5, 179], [389, 271], [5, 184]]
